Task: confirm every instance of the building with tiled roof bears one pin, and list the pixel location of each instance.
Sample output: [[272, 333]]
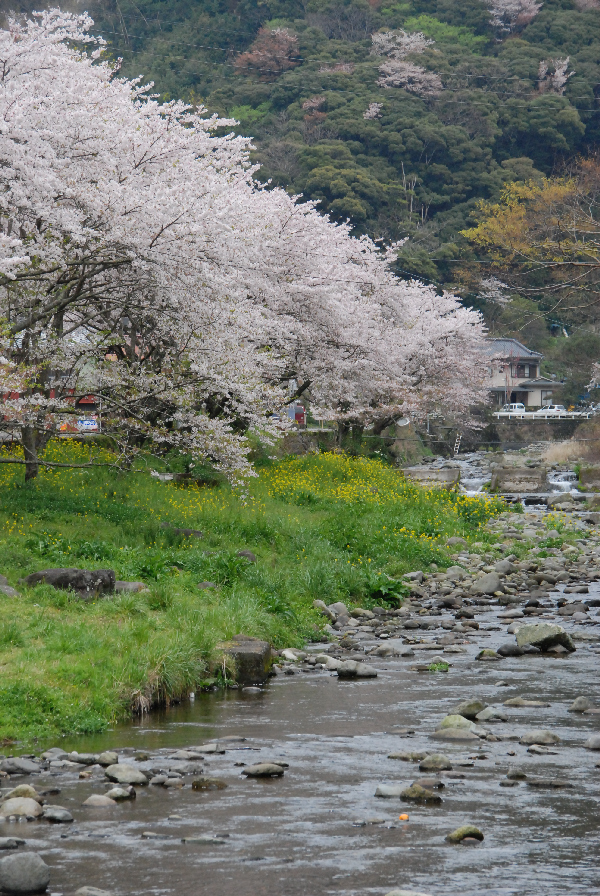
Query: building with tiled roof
[[514, 374]]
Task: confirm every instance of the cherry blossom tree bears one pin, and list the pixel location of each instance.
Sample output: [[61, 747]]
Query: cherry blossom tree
[[141, 263], [396, 70]]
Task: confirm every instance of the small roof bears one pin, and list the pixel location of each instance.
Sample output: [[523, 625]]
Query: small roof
[[509, 348]]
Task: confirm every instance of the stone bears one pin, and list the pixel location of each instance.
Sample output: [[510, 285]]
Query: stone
[[593, 742], [521, 702], [455, 734], [469, 708], [456, 540], [548, 783], [249, 556], [455, 721], [544, 635], [389, 791], [488, 654], [83, 758], [16, 765], [467, 830], [251, 657], [435, 762], [416, 793], [504, 567], [121, 793], [54, 753], [57, 814], [21, 807], [406, 893], [540, 736], [87, 582], [488, 583], [456, 573], [6, 589], [516, 774], [25, 790], [24, 872], [492, 714], [293, 656], [263, 770], [92, 891], [122, 773], [11, 842], [205, 783], [99, 801], [204, 839], [352, 669], [580, 704], [108, 758], [510, 650]]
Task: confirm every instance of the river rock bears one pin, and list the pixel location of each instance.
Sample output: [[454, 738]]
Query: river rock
[[83, 758], [456, 540], [24, 790], [492, 714], [488, 654], [205, 783], [338, 609], [352, 669], [455, 721], [86, 582], [21, 807], [469, 708], [11, 842], [125, 774], [435, 762], [456, 573], [593, 742], [544, 635], [99, 801], [57, 814], [92, 891], [263, 770], [251, 657], [455, 734], [16, 765], [417, 794], [54, 753], [121, 793], [510, 650], [580, 704], [505, 567], [389, 791], [521, 702], [540, 736], [489, 583], [467, 830], [23, 873]]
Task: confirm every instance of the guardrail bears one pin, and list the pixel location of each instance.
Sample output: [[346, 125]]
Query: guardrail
[[540, 415]]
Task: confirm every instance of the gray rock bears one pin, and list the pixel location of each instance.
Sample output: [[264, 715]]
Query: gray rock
[[339, 609], [86, 582], [455, 539], [24, 790], [581, 704], [92, 891], [125, 774], [54, 753], [460, 834], [487, 584], [492, 714], [99, 801], [57, 814], [18, 766], [455, 734], [10, 842], [540, 736], [21, 807], [352, 669], [469, 708], [121, 793], [250, 557], [263, 770], [83, 758], [251, 657], [456, 573], [544, 635], [23, 873], [521, 702], [389, 791], [510, 650], [593, 742], [417, 794], [435, 762], [108, 758], [505, 567], [6, 589], [455, 721], [130, 587]]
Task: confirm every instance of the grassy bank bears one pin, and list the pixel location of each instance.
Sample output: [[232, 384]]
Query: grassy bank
[[328, 527]]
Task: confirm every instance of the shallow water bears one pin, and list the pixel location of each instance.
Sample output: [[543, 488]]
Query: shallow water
[[297, 836]]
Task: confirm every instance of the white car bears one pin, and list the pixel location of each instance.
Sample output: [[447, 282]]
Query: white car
[[552, 410], [517, 408]]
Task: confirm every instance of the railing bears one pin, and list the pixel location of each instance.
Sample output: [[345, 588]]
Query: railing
[[541, 415]]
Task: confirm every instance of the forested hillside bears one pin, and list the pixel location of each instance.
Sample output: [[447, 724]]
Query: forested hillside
[[400, 116]]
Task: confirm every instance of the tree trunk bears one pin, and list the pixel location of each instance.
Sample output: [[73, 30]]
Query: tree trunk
[[342, 432], [29, 441]]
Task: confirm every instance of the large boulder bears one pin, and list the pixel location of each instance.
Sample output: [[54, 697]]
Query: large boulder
[[469, 708], [540, 736], [122, 773], [23, 873], [87, 582], [488, 583], [251, 657], [17, 765], [593, 742], [544, 635], [21, 807], [352, 669]]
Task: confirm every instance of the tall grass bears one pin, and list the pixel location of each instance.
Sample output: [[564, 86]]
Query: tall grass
[[329, 527]]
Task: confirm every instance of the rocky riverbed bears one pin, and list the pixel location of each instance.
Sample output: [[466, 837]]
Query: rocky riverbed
[[451, 746]]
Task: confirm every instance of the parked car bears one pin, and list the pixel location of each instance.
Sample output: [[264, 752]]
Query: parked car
[[552, 410], [517, 408]]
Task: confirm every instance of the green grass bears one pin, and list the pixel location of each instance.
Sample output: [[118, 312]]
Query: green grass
[[328, 527]]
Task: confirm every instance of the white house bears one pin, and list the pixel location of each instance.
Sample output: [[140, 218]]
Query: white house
[[514, 374]]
